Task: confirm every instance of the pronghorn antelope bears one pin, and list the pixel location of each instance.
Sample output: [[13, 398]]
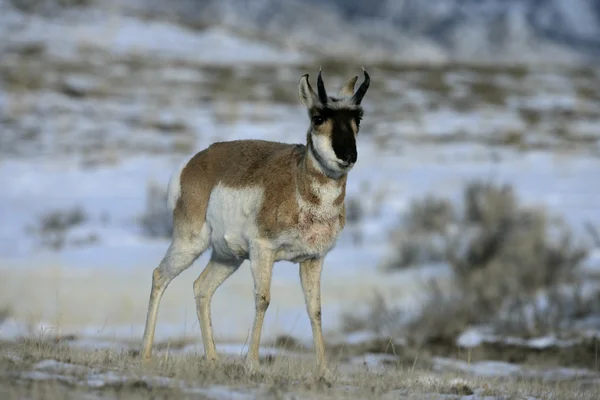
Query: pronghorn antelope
[[263, 201]]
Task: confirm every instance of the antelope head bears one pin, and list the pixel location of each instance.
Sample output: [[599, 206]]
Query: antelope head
[[334, 123]]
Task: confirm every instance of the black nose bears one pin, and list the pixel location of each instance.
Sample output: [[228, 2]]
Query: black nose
[[351, 157]]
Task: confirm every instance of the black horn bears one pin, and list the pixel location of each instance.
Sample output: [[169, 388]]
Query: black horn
[[321, 89], [360, 93]]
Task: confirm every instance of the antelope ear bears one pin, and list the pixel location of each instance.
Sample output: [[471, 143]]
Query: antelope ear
[[307, 95], [348, 89]]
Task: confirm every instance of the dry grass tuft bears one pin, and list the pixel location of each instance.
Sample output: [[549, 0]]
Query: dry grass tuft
[[53, 227], [500, 252], [528, 316], [519, 249], [420, 238], [489, 93], [493, 230], [432, 214]]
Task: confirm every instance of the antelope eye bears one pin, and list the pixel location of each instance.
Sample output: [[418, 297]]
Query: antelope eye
[[317, 120]]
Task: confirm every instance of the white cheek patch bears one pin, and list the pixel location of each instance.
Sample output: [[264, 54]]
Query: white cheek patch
[[322, 145]]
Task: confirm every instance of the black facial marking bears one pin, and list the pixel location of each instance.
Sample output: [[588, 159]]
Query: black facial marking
[[343, 140]]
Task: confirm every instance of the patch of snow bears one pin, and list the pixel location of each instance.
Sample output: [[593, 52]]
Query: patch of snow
[[585, 128], [591, 264], [543, 342], [100, 380], [81, 85], [472, 337], [449, 122], [360, 337], [58, 367], [477, 336], [223, 392], [558, 374], [540, 343], [181, 74], [544, 102], [486, 369], [128, 36], [499, 369], [45, 376]]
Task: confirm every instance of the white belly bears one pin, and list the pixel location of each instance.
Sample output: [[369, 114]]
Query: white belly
[[231, 215], [232, 218]]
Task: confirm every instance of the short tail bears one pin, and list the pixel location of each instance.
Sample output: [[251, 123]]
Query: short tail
[[174, 189]]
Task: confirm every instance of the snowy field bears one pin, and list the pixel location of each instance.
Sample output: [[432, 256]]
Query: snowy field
[[96, 111]]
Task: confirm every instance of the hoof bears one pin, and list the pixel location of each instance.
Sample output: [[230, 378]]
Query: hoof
[[146, 359], [251, 367], [324, 377], [324, 382], [212, 360]]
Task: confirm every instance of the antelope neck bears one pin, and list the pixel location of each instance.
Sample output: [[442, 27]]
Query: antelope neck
[[311, 174]]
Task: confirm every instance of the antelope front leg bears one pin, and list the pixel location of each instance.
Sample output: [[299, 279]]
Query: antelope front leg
[[261, 265], [310, 277]]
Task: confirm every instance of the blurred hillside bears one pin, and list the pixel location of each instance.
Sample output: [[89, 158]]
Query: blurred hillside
[[435, 30], [401, 30]]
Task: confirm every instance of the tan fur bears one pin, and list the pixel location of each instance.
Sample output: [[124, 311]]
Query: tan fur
[[325, 128]]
